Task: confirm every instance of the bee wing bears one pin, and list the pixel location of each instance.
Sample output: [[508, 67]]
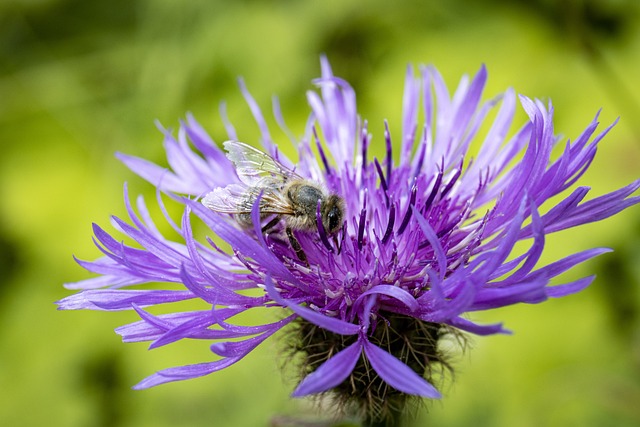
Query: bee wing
[[272, 202], [227, 199], [253, 165], [239, 199]]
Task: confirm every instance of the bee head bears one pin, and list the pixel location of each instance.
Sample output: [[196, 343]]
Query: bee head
[[332, 213]]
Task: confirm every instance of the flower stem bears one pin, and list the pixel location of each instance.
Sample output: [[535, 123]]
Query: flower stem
[[393, 420]]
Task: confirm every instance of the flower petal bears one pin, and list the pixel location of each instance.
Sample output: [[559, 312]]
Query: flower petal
[[474, 328], [565, 289], [112, 300], [185, 372], [397, 374], [394, 292], [331, 373], [332, 324]]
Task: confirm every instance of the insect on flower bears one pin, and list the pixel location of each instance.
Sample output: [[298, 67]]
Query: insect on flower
[[284, 195], [429, 233]]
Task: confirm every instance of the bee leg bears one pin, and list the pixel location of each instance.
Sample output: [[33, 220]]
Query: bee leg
[[268, 226], [335, 238], [295, 245], [337, 244]]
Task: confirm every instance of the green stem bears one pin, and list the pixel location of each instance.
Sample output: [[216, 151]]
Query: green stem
[[394, 420]]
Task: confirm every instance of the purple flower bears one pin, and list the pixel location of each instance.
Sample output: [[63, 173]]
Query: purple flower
[[428, 236]]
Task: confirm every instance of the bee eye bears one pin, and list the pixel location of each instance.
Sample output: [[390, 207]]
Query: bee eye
[[334, 219]]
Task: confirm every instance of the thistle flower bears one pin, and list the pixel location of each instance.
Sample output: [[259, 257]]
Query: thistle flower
[[428, 236]]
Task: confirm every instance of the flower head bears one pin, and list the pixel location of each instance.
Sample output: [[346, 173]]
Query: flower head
[[424, 236]]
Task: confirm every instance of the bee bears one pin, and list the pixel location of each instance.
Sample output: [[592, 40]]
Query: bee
[[284, 195]]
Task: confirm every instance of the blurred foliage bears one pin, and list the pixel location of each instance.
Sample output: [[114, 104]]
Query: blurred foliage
[[81, 80]]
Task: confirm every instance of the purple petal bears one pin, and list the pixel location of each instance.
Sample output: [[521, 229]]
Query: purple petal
[[431, 236], [599, 208], [474, 328], [200, 369], [101, 282], [558, 267], [111, 300], [211, 291], [409, 113], [394, 292], [240, 348], [397, 374], [185, 372], [242, 242], [266, 140], [152, 327], [186, 329], [469, 104], [205, 144], [565, 289], [332, 324], [331, 373], [154, 174], [532, 293]]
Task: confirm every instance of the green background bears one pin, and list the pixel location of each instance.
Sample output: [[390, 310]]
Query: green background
[[80, 80]]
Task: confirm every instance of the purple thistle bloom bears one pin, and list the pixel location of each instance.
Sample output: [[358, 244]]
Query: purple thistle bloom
[[426, 239]]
